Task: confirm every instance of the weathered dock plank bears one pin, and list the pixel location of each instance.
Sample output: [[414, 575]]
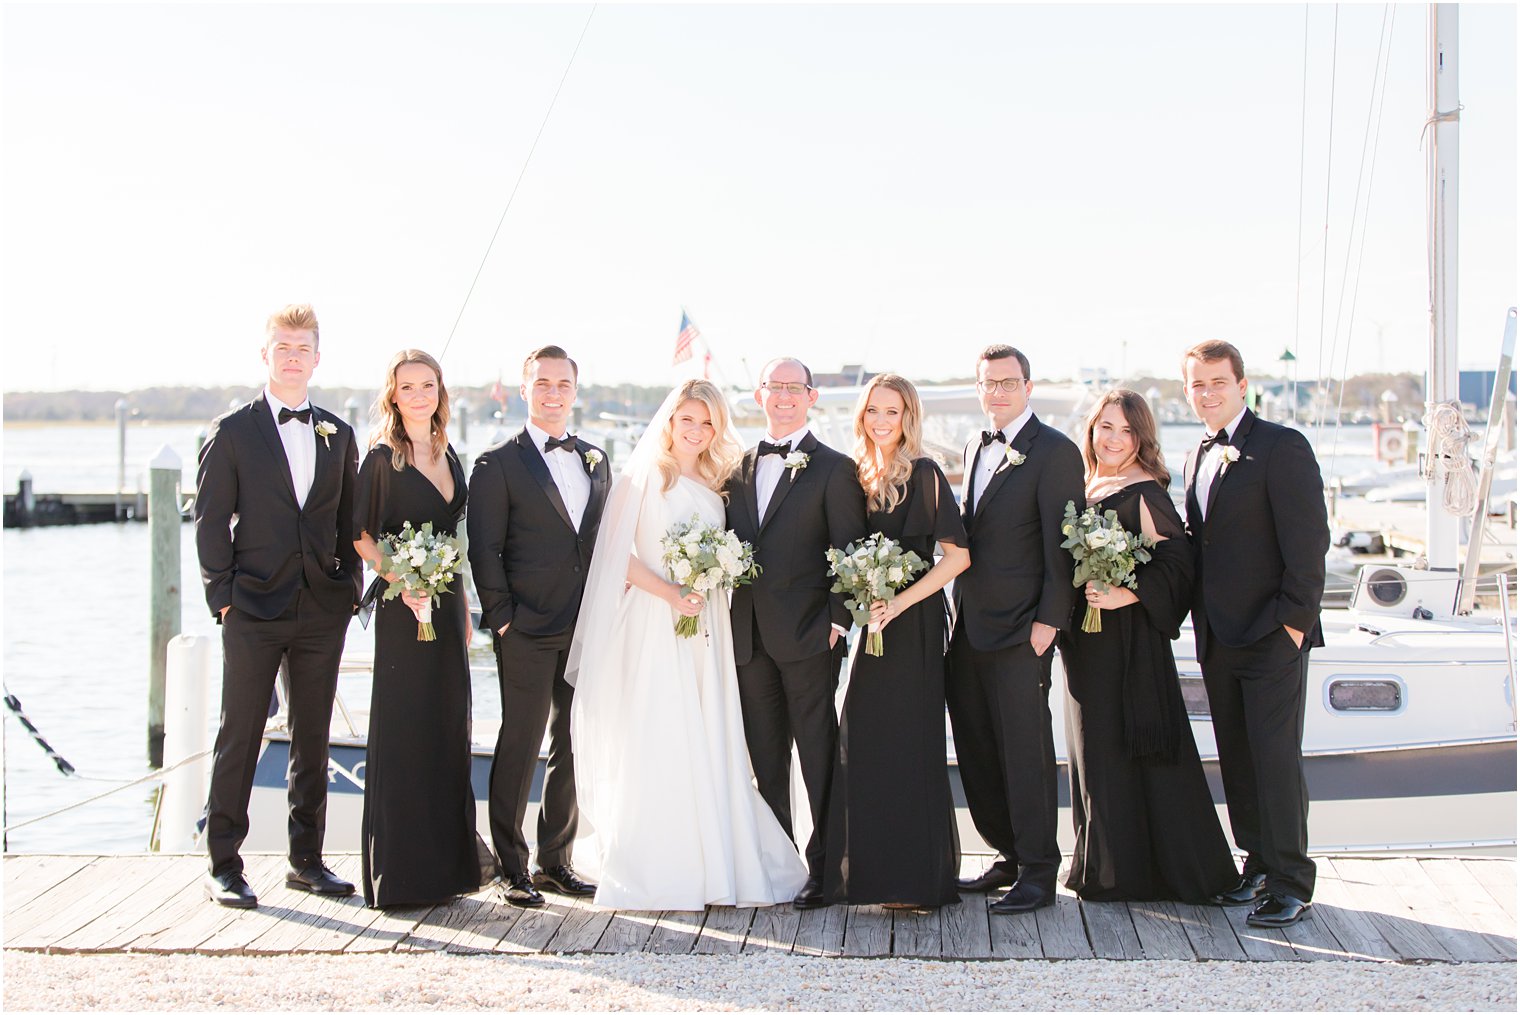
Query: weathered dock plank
[[1063, 935], [27, 877], [1366, 908], [627, 931], [676, 932], [1110, 930], [108, 929], [725, 931], [867, 931], [1457, 883], [820, 931], [1498, 877], [581, 926], [1406, 877], [1394, 920], [1159, 930], [964, 930], [774, 929], [917, 933]]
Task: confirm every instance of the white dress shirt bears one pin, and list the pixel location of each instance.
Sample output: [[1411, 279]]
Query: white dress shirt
[[300, 441], [569, 473], [1208, 466], [768, 469], [994, 455]]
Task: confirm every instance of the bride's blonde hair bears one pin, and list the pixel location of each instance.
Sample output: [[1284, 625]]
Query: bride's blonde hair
[[719, 459]]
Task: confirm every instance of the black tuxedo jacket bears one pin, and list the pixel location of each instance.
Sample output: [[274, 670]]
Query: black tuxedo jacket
[[812, 509], [1019, 574], [255, 543], [1261, 553], [529, 562]]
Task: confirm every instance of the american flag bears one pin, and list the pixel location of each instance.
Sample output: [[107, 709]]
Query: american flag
[[688, 335]]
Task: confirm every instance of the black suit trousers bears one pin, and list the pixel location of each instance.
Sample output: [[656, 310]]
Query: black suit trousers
[[311, 637], [531, 673], [1000, 715], [1256, 698], [783, 702]]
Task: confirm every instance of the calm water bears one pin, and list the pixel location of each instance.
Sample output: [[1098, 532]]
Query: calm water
[[79, 662]]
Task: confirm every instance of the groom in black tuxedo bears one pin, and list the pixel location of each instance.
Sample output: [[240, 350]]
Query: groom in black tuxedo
[[274, 533], [792, 498], [1256, 517], [535, 502], [1019, 476]]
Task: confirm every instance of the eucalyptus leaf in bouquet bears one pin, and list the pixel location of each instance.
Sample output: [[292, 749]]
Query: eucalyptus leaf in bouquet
[[876, 568], [424, 562], [1105, 552]]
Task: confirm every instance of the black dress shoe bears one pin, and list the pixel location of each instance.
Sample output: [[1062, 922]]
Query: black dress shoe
[[1278, 911], [1251, 888], [519, 891], [996, 876], [564, 880], [811, 896], [1023, 897], [317, 879], [229, 890]]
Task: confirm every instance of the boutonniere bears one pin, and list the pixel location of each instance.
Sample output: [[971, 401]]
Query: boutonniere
[[325, 430], [1231, 455], [593, 458], [1014, 456], [795, 463]]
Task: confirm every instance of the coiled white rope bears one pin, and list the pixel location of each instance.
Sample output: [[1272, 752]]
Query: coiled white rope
[[1447, 457]]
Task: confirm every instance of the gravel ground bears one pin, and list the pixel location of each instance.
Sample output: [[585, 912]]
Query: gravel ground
[[716, 982]]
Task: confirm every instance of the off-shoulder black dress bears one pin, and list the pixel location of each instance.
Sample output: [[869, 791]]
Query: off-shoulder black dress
[[1145, 821]]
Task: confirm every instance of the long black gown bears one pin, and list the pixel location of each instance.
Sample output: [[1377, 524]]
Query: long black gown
[[1145, 822], [418, 831], [891, 823]]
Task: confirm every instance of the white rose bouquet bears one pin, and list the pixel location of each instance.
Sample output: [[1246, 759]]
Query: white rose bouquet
[[705, 559], [424, 563], [1105, 553], [876, 568]]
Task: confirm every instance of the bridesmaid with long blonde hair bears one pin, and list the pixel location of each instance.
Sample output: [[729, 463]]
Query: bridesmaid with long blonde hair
[[891, 824]]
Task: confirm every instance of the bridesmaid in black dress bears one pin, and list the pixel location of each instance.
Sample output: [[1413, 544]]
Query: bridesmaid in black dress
[[891, 823], [1145, 821], [418, 836]]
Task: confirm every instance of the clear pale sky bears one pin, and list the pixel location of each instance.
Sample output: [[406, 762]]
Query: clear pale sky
[[893, 185]]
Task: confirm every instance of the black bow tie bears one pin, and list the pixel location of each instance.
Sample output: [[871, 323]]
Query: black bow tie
[[567, 442], [1222, 437], [304, 415], [988, 436], [767, 448]]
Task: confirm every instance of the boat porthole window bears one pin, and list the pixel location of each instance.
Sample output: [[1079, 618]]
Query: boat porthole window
[[1362, 695], [1387, 587]]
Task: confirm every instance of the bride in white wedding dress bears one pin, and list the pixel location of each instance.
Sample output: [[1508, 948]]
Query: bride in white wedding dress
[[662, 772]]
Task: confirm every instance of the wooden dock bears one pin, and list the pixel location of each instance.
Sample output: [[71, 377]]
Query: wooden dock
[[1384, 909]]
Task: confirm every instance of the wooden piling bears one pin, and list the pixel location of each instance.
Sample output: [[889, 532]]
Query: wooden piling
[[164, 534]]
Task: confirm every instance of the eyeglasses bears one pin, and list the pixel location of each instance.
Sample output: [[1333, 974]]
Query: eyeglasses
[[791, 388], [1008, 385]]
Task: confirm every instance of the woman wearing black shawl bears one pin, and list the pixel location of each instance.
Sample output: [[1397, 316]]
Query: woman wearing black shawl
[[1145, 821]]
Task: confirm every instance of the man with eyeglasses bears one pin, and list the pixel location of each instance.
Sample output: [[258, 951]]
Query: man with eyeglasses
[[1019, 476], [792, 498]]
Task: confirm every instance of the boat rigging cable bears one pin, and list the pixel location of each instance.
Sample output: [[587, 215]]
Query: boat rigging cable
[[1373, 130], [521, 173], [1298, 260], [1324, 269]]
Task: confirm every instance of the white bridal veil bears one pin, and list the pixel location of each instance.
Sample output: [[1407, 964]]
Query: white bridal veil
[[597, 650]]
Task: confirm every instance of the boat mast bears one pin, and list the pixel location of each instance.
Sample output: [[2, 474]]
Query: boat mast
[[1441, 381]]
